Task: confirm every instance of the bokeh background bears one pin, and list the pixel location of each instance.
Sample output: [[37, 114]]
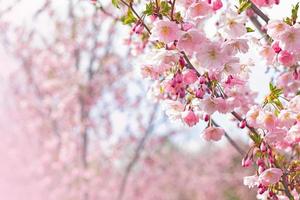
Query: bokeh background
[[76, 122]]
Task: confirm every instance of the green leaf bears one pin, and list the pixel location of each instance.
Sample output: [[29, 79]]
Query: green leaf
[[128, 18], [249, 30], [295, 13], [115, 3], [149, 9], [165, 8], [244, 5]]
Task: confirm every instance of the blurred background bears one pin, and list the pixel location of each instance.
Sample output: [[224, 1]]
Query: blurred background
[[76, 122]]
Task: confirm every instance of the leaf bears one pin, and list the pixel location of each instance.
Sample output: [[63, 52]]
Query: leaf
[[128, 18], [249, 29], [165, 8], [244, 5], [295, 13], [115, 3], [149, 9]]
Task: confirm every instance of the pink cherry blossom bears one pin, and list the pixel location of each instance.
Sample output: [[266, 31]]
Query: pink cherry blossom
[[294, 104], [233, 24], [165, 31], [267, 120], [270, 176], [190, 118], [276, 28], [213, 134], [189, 76], [212, 56], [199, 9], [293, 135], [191, 41], [252, 116], [286, 58], [268, 54], [290, 39]]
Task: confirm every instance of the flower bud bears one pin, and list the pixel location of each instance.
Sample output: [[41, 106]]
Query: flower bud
[[243, 124]]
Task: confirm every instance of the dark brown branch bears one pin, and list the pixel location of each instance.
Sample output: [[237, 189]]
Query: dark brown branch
[[259, 12], [172, 9]]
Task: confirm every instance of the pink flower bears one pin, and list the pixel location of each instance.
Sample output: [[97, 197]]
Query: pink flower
[[275, 136], [252, 115], [190, 118], [290, 39], [268, 53], [233, 24], [189, 76], [190, 41], [199, 10], [293, 135], [173, 109], [270, 176], [213, 133], [294, 104], [235, 46], [276, 28], [267, 120], [286, 58], [286, 119], [212, 57], [165, 31]]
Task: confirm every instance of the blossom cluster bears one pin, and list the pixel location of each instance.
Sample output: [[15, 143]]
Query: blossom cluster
[[198, 71]]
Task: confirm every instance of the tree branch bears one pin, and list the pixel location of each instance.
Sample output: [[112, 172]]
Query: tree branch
[[259, 12]]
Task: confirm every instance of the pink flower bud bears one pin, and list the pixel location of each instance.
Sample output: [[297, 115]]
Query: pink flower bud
[[206, 118], [260, 162], [243, 124], [181, 62], [296, 74], [217, 4], [200, 93], [202, 80], [263, 147], [246, 162], [276, 47]]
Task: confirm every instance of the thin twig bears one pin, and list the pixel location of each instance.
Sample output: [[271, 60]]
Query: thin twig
[[137, 15], [230, 140]]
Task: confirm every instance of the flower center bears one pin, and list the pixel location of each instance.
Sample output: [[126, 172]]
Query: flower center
[[165, 30]]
